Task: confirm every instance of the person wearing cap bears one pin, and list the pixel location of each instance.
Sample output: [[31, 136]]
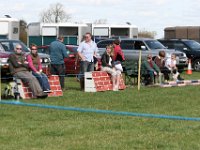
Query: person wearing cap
[[19, 68], [58, 52], [151, 69], [36, 68]]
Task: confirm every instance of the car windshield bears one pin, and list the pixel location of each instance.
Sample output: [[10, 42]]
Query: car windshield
[[193, 45], [24, 47], [153, 44], [9, 46]]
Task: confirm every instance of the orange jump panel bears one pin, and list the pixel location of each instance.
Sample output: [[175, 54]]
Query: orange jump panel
[[25, 91], [98, 81]]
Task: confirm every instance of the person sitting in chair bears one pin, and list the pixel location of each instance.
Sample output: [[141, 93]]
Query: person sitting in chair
[[160, 62], [150, 69]]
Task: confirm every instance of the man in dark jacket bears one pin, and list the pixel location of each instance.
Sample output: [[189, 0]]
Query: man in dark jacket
[[150, 68], [19, 68], [57, 54]]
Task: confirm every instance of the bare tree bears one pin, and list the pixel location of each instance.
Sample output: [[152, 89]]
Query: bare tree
[[54, 14], [100, 21], [147, 34]]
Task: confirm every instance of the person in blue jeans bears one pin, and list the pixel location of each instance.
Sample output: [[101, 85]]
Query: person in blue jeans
[[36, 68], [86, 51]]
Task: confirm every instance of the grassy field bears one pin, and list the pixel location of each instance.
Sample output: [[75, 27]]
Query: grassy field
[[28, 128]]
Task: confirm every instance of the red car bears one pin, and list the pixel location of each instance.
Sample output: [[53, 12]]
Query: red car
[[72, 62]]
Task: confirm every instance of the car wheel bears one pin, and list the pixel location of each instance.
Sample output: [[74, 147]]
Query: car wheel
[[196, 65]]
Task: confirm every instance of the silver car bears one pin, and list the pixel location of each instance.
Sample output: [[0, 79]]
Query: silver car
[[132, 47]]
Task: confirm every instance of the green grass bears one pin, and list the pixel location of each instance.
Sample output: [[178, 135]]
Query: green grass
[[28, 128]]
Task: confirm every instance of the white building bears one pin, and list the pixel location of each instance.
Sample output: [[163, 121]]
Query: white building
[[9, 28]]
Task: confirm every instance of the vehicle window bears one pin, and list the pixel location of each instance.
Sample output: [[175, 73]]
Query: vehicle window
[[138, 44], [103, 44], [168, 44], [1, 48], [127, 44], [179, 46], [43, 50], [75, 49], [193, 45], [6, 46], [153, 44]]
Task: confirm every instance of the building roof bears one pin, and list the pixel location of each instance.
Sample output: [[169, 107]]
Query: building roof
[[8, 19], [114, 25], [66, 24]]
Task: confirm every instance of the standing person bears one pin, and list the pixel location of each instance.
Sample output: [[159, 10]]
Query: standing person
[[171, 65], [160, 62], [19, 68], [36, 68], [109, 66], [118, 54], [57, 54], [86, 51]]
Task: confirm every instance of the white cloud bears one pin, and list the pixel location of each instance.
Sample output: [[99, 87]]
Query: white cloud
[[158, 2], [18, 6], [148, 13], [154, 15]]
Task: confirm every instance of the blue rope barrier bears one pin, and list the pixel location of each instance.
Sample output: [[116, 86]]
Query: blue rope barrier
[[109, 112]]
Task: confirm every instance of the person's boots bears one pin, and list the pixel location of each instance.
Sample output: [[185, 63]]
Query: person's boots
[[179, 78], [82, 84]]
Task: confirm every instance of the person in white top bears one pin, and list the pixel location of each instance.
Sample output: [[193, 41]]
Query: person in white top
[[171, 65], [86, 51]]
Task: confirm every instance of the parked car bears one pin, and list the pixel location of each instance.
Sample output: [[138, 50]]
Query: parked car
[[190, 47], [131, 48], [72, 62], [7, 47]]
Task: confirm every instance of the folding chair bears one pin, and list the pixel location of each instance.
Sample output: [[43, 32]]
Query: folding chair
[[131, 72]]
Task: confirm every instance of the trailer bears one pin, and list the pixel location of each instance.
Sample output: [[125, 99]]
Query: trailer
[[102, 31], [9, 28], [45, 33], [183, 32]]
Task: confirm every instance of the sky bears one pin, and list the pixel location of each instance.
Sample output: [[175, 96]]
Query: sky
[[151, 15]]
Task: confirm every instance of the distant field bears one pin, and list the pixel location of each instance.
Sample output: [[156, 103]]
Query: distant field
[[29, 128]]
